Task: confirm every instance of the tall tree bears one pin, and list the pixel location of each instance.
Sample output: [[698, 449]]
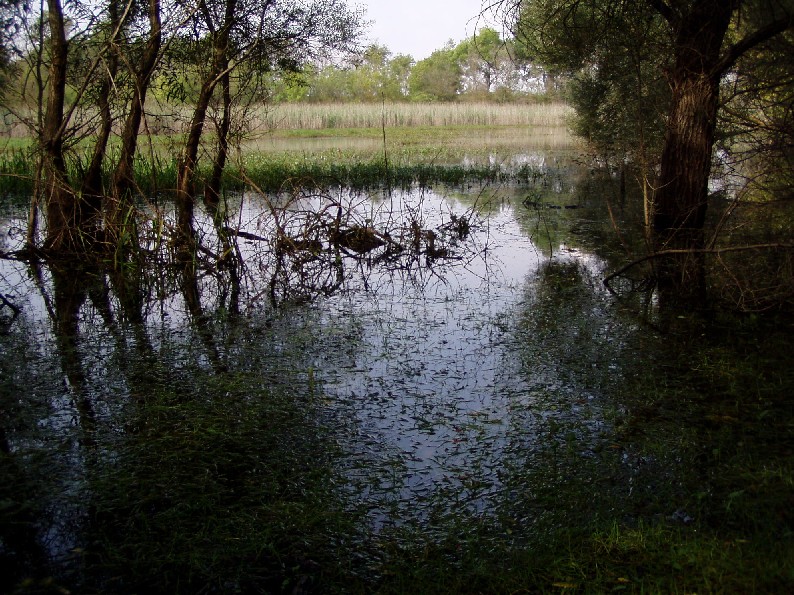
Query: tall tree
[[696, 44], [92, 181], [438, 77], [260, 37], [58, 194], [480, 58], [94, 66], [144, 58]]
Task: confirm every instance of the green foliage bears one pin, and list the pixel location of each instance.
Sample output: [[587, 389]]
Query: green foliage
[[16, 172], [480, 68], [616, 57], [372, 76], [612, 55], [757, 123], [486, 63], [436, 78]]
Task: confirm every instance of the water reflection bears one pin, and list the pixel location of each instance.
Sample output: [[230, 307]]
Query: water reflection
[[436, 374]]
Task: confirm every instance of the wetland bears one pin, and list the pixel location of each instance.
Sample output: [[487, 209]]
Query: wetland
[[458, 405]]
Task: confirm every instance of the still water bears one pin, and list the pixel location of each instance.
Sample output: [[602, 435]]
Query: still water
[[440, 371]]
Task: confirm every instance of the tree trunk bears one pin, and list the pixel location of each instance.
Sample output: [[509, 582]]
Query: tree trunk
[[680, 203], [124, 176], [218, 69], [60, 199], [212, 189], [187, 164], [92, 183]]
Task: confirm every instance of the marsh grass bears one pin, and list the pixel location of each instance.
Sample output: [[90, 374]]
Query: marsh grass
[[308, 116], [220, 485], [690, 493], [17, 167], [425, 143], [290, 171], [302, 118]]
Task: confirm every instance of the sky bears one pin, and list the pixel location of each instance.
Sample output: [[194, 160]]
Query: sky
[[419, 27]]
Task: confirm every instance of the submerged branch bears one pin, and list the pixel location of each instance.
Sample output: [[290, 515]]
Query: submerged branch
[[5, 302], [673, 252]]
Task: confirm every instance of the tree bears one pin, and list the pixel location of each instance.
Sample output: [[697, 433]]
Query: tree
[[399, 69], [245, 34], [141, 65], [372, 75], [94, 66], [59, 196], [8, 28], [698, 46], [480, 58], [69, 56], [436, 78]]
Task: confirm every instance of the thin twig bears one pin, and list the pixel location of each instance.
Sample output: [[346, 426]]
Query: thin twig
[[671, 252]]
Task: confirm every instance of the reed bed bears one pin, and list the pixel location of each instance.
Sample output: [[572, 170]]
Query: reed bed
[[321, 116], [274, 171], [167, 119], [462, 147], [346, 115]]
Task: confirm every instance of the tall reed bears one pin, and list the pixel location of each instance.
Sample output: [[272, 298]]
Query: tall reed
[[307, 116]]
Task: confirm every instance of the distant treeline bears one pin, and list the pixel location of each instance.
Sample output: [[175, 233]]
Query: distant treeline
[[482, 67]]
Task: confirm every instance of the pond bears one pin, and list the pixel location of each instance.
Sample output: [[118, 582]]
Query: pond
[[254, 422]]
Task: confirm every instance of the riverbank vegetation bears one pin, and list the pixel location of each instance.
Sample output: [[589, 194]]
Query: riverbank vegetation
[[211, 451], [105, 131], [366, 146], [693, 98], [246, 347]]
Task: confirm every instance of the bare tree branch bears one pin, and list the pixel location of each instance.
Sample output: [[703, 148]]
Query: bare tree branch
[[750, 41], [672, 252]]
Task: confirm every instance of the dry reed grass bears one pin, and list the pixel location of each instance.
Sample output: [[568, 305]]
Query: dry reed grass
[[169, 119], [303, 116]]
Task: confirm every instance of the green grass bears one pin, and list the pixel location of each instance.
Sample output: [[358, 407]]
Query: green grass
[[287, 171], [455, 130]]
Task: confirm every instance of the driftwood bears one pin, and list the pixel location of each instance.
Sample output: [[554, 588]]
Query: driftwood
[[244, 234], [358, 238]]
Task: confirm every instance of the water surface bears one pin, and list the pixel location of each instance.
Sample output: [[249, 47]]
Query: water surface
[[443, 382]]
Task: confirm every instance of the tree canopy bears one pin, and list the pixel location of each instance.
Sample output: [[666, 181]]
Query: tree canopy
[[483, 67], [87, 70], [666, 83]]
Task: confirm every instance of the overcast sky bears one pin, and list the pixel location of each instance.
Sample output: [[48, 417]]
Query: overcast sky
[[418, 27]]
